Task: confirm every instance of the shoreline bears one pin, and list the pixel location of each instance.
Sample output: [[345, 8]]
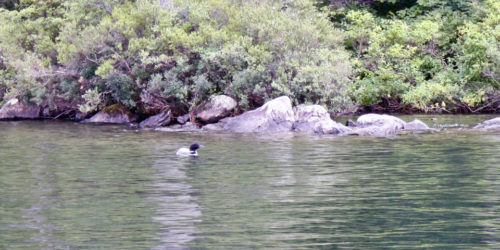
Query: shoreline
[[435, 121], [219, 113]]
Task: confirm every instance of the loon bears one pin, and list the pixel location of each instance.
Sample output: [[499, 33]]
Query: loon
[[191, 151]]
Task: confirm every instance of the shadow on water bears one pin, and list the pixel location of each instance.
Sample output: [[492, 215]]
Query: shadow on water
[[66, 185]]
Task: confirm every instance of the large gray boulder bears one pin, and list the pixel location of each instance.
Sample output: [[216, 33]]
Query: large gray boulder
[[274, 116], [489, 124], [14, 109], [113, 114], [379, 120], [315, 119], [375, 125], [162, 119], [216, 108]]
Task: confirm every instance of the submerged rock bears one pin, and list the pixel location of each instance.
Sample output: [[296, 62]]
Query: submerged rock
[[188, 127], [14, 109], [416, 125], [386, 130], [162, 119], [315, 119], [274, 116], [489, 124], [214, 126], [112, 114], [216, 108]]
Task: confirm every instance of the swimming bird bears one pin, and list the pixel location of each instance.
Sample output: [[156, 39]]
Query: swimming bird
[[191, 151]]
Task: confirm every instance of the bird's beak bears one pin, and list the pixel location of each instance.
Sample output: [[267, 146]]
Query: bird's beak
[[201, 146]]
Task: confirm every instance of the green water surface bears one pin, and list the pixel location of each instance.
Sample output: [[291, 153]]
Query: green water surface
[[72, 186]]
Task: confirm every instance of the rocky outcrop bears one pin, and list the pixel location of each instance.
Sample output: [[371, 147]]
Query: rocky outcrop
[[162, 119], [14, 109], [113, 114], [492, 124], [216, 108], [315, 119], [274, 116], [278, 116]]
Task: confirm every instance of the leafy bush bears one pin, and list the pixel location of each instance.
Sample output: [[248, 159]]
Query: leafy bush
[[185, 50], [433, 55]]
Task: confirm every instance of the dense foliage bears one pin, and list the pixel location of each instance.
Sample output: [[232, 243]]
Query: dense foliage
[[150, 54], [427, 55]]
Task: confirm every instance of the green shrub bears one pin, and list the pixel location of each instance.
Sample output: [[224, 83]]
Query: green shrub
[[251, 50], [144, 54], [433, 55]]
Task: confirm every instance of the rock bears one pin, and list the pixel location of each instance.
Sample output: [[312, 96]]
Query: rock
[[306, 116], [112, 114], [329, 126], [274, 116], [183, 119], [162, 119], [14, 109], [416, 125], [375, 125], [215, 109], [489, 124], [188, 127], [315, 119], [379, 120]]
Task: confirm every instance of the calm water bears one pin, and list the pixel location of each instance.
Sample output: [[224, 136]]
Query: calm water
[[74, 186]]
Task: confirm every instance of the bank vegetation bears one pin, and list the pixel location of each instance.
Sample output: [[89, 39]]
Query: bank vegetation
[[81, 56]]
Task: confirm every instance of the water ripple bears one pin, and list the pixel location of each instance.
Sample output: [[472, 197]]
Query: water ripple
[[67, 186]]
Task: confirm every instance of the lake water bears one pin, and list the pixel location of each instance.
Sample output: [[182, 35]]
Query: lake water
[[73, 186]]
